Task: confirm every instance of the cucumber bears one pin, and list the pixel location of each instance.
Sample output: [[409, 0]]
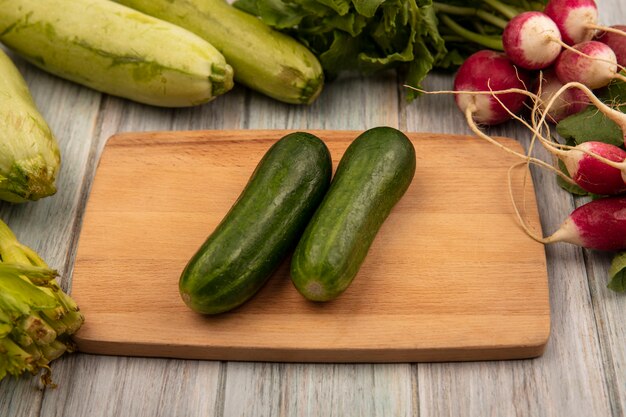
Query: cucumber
[[115, 49], [264, 224], [29, 152], [263, 59], [372, 176]]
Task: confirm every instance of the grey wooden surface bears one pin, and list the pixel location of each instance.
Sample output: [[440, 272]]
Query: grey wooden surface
[[582, 373]]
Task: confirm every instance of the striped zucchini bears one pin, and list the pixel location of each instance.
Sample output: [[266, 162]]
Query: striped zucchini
[[29, 154], [264, 59], [114, 49]]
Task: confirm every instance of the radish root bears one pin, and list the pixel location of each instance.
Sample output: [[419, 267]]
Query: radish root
[[540, 129], [532, 234], [615, 115], [605, 29], [471, 109]]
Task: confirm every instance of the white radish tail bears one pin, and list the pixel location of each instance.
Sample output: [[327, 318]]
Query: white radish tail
[[599, 224]]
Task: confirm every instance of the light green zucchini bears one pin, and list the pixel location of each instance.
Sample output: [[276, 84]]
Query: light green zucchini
[[29, 154], [114, 49], [263, 59]]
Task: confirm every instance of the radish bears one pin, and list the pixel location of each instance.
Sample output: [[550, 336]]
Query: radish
[[595, 65], [592, 174], [532, 40], [616, 41], [597, 167], [489, 71], [576, 19], [599, 224], [570, 102]]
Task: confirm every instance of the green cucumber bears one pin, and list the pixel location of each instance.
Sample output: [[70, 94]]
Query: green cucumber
[[264, 224], [264, 59], [116, 50], [372, 176]]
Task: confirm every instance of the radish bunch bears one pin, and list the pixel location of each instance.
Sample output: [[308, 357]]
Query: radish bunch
[[558, 40], [552, 62]]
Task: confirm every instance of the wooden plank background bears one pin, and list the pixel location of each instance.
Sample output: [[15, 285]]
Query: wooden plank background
[[582, 373]]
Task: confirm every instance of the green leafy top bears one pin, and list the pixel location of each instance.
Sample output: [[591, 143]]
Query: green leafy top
[[367, 36], [591, 125]]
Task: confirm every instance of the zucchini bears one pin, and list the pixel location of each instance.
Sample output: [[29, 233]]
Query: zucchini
[[29, 153], [262, 226], [263, 59], [116, 50], [372, 176]]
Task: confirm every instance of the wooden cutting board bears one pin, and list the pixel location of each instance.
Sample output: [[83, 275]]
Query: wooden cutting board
[[450, 276]]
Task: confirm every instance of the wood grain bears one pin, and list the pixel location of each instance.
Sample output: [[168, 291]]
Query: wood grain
[[430, 289]]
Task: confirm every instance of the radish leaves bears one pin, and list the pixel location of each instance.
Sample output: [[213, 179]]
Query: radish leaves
[[617, 273], [590, 124]]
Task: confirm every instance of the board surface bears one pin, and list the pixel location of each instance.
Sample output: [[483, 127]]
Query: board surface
[[450, 276]]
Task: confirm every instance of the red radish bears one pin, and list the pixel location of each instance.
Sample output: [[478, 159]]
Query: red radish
[[532, 40], [599, 224], [489, 71], [590, 173], [570, 102], [595, 66], [576, 19], [616, 41], [597, 167]]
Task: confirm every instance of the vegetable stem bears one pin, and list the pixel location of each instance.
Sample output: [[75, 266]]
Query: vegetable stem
[[453, 38], [9, 247], [491, 43], [506, 10], [470, 11], [36, 316]]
